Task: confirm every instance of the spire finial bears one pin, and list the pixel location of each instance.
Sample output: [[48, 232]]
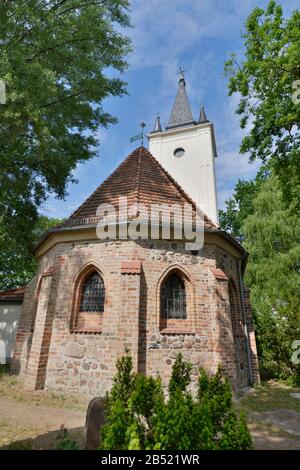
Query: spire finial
[[202, 117], [157, 125]]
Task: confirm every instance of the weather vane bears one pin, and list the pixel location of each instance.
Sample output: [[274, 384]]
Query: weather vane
[[140, 135], [181, 72]]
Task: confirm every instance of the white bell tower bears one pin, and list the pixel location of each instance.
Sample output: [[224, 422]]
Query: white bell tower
[[187, 149]]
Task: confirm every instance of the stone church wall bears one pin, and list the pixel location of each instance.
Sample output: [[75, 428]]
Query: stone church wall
[[49, 354]]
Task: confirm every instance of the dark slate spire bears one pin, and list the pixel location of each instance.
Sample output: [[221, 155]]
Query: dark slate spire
[[181, 114], [202, 117], [157, 125]]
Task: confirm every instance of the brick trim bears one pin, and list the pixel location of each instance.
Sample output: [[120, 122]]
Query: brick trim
[[131, 267]]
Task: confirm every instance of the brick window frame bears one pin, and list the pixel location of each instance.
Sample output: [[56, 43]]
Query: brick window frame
[[86, 321], [177, 325]]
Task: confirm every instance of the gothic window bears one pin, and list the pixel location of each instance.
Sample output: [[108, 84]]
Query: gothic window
[[89, 302], [173, 298], [92, 294]]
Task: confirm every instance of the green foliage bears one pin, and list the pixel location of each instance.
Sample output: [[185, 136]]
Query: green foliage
[[272, 236], [17, 263], [270, 231], [65, 442], [240, 205], [140, 417], [264, 213], [266, 79], [181, 375], [58, 60]]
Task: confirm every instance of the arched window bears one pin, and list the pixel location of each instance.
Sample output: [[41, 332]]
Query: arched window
[[89, 302], [173, 298], [92, 294]]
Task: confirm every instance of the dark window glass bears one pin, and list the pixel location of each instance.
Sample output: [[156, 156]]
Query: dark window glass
[[92, 294], [173, 298]]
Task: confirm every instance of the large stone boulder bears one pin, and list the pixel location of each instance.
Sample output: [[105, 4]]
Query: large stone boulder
[[74, 350], [95, 419]]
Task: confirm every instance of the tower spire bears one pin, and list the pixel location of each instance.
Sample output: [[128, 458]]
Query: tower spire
[[181, 114]]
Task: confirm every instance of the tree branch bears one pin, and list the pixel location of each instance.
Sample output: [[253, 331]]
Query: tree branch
[[62, 99]]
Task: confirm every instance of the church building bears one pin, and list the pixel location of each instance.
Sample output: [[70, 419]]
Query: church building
[[93, 297]]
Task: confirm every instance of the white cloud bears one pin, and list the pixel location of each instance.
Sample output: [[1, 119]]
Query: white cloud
[[163, 28]]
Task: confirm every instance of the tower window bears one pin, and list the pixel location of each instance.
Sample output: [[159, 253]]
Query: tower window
[[179, 152]]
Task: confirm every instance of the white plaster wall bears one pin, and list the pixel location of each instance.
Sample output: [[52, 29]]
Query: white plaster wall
[[195, 170], [9, 318]]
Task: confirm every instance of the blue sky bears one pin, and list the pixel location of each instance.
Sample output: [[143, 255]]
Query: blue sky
[[198, 35]]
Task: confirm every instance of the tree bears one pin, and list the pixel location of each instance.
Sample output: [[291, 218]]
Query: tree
[[240, 205], [272, 237], [54, 60], [17, 262], [267, 80], [140, 417]]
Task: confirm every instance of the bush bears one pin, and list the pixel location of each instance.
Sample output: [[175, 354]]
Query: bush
[[140, 417], [65, 442]]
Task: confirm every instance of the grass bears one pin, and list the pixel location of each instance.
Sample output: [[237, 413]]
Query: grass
[[270, 396]]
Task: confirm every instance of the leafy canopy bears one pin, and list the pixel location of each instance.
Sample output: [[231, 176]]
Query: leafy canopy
[[264, 213], [17, 263], [270, 231], [272, 237], [266, 81], [59, 60]]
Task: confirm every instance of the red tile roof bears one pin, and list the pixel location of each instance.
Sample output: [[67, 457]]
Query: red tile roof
[[12, 294], [143, 181]]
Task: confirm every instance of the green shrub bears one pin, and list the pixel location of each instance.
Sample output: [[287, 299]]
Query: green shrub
[[65, 442], [140, 417]]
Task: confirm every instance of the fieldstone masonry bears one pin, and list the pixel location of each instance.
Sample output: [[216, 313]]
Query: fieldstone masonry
[[49, 354]]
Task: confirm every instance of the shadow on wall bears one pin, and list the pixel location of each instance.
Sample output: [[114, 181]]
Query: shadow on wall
[[9, 319]]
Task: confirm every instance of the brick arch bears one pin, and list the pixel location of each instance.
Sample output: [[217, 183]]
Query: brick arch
[[89, 322], [188, 323]]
